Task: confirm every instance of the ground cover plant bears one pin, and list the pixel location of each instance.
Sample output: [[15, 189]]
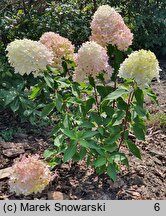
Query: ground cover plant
[[93, 96]]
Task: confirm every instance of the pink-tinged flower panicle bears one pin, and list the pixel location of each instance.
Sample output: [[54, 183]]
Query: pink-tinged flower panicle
[[91, 60], [108, 27], [27, 56], [141, 66], [60, 46], [29, 175]]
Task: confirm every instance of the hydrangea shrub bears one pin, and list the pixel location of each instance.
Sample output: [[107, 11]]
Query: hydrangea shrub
[[94, 116]]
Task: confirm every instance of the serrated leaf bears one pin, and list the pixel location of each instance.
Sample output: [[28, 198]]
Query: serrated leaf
[[84, 143], [82, 153], [138, 132], [49, 81], [111, 147], [101, 130], [109, 110], [89, 103], [111, 171], [112, 138], [139, 128], [89, 134], [140, 110], [104, 90], [47, 109], [15, 105], [9, 97], [121, 104], [100, 161], [139, 96], [69, 133], [69, 152], [96, 118], [117, 118], [134, 149], [118, 157], [152, 95], [55, 130], [35, 92], [49, 152], [66, 121], [57, 141], [58, 102], [86, 124], [116, 94]]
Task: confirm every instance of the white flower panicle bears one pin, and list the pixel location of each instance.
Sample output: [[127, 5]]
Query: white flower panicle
[[91, 60], [28, 56], [29, 175], [142, 66]]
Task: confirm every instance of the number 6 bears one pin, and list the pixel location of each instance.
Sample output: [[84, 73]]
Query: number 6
[[157, 206]]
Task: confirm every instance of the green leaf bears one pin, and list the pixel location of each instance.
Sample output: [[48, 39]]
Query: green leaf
[[69, 152], [139, 132], [118, 157], [55, 130], [139, 96], [100, 161], [87, 125], [49, 152], [109, 110], [115, 129], [49, 81], [91, 81], [140, 111], [116, 94], [47, 109], [28, 112], [75, 90], [84, 143], [121, 104], [90, 134], [111, 171], [134, 149], [82, 153], [15, 105], [9, 97], [117, 117], [59, 102], [112, 138], [101, 130], [57, 141], [93, 145], [110, 147], [94, 117], [139, 128], [66, 121], [69, 133], [89, 104], [100, 170], [152, 95], [104, 90], [35, 92]]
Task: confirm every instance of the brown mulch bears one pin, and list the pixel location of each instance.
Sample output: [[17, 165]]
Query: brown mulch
[[144, 179]]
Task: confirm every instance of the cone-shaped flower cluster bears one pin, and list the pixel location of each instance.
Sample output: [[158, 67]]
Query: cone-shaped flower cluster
[[108, 27], [60, 46], [142, 66], [91, 60], [28, 56], [29, 175]]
